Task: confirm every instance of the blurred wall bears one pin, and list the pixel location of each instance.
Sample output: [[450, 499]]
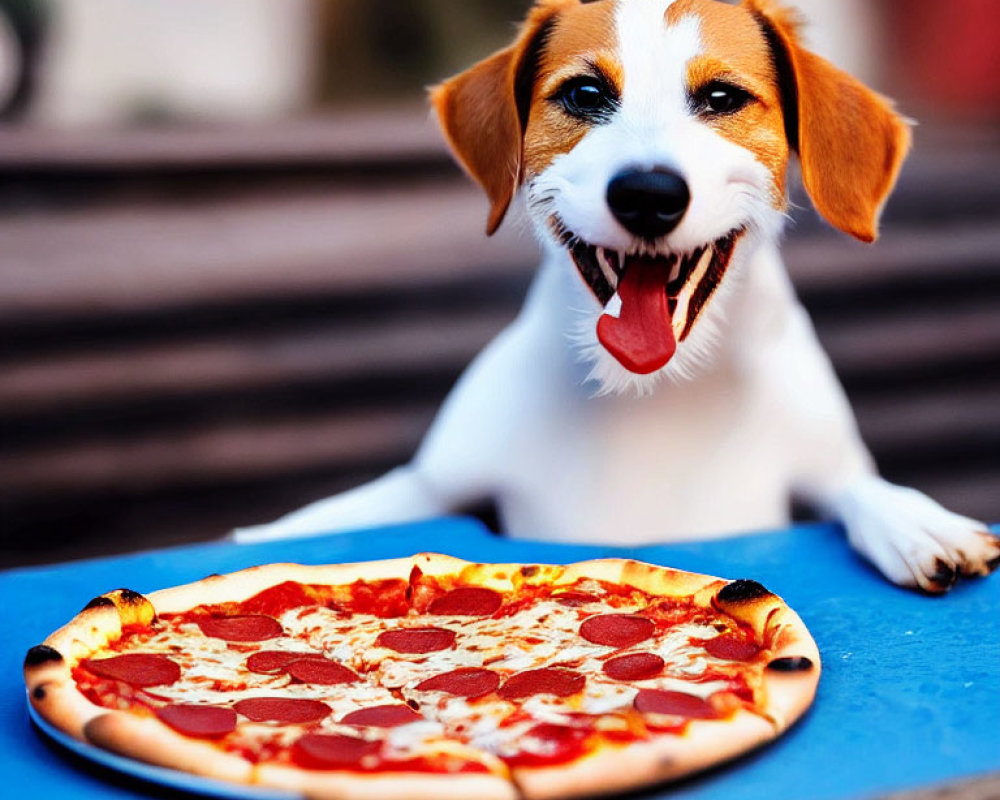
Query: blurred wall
[[121, 61], [115, 61], [846, 32]]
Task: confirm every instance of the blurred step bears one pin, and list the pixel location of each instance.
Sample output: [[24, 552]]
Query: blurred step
[[334, 353], [152, 261], [913, 347], [218, 453], [902, 423], [273, 375], [374, 135], [974, 493], [139, 261]]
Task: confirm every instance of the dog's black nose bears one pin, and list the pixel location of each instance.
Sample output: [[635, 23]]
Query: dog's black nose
[[649, 203]]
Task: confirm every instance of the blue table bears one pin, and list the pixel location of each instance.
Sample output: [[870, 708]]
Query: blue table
[[910, 695]]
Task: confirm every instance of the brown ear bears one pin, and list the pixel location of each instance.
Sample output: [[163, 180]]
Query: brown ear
[[484, 113], [851, 143]]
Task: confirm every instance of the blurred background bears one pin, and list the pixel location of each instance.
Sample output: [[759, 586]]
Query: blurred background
[[239, 271]]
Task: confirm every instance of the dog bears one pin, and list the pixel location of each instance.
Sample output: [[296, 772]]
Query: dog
[[662, 381]]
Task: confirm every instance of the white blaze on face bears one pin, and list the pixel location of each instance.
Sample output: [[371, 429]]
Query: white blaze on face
[[659, 129], [654, 104], [654, 61], [656, 43]]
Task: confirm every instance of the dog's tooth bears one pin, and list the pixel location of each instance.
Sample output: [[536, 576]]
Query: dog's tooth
[[607, 267], [706, 259], [684, 316], [675, 267], [679, 320]]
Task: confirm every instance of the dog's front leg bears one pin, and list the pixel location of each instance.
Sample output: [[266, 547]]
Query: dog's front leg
[[910, 538], [398, 497]]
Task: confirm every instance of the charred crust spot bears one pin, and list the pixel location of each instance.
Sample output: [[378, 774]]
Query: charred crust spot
[[992, 564], [529, 572], [39, 692], [742, 591], [100, 602], [129, 597], [42, 654], [791, 664]]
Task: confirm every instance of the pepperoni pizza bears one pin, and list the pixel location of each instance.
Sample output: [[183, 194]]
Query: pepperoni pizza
[[431, 677]]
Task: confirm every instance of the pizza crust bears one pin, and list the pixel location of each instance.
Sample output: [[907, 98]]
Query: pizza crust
[[147, 739], [705, 743], [616, 770], [389, 786], [53, 692]]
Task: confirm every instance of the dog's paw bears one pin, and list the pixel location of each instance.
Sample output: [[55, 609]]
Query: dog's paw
[[913, 540]]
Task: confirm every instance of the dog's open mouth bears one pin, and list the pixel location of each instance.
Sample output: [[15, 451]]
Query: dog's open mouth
[[662, 296]]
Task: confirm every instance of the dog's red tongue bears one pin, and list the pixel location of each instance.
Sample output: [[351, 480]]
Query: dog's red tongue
[[642, 338]]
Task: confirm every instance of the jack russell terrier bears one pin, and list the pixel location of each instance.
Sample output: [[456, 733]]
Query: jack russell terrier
[[662, 381]]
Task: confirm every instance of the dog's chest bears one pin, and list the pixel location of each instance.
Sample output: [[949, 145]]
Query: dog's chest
[[684, 463]]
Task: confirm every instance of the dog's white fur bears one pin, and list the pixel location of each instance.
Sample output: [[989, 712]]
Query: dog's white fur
[[573, 447]]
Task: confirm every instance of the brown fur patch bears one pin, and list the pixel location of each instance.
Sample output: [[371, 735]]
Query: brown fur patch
[[851, 142], [735, 51], [582, 36]]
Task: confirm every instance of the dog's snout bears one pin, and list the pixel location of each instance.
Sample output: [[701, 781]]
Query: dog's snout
[[649, 203]]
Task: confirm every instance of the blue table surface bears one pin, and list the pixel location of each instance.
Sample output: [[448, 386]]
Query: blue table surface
[[910, 694]]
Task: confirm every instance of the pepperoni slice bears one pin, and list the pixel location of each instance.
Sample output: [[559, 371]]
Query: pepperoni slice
[[732, 648], [252, 628], [332, 751], [559, 743], [202, 722], [676, 704], [282, 710], [617, 630], [382, 716], [560, 682], [634, 667], [467, 682], [271, 662], [416, 640], [320, 672], [467, 602], [137, 669]]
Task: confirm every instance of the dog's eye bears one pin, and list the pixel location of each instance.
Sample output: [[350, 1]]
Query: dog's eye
[[720, 99], [586, 98]]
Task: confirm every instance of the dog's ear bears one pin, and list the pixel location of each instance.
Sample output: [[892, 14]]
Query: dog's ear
[[484, 113], [850, 141]]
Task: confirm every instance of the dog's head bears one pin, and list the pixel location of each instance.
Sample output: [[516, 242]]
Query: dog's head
[[653, 138]]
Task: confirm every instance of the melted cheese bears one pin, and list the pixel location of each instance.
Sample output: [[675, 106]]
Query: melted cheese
[[543, 634]]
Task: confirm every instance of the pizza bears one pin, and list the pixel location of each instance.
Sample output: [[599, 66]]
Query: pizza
[[431, 677]]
